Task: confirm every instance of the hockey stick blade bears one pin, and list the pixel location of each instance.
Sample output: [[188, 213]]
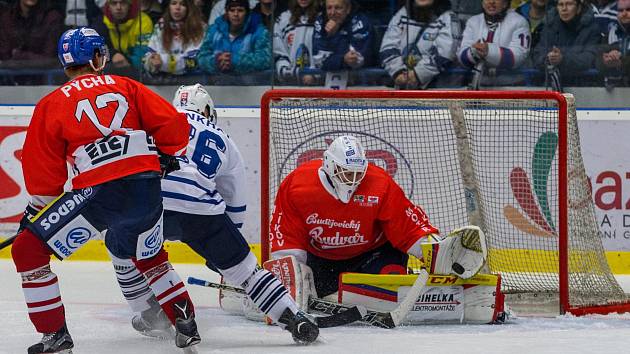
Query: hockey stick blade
[[348, 315], [380, 319], [7, 242]]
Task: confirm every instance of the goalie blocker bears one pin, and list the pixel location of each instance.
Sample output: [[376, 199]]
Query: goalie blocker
[[446, 299]]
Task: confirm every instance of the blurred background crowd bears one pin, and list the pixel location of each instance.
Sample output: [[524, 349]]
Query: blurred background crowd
[[407, 44]]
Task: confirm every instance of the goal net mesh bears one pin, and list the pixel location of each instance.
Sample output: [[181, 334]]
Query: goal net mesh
[[493, 163]]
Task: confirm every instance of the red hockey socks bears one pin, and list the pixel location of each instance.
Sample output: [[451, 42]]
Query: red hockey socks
[[39, 283], [166, 285]]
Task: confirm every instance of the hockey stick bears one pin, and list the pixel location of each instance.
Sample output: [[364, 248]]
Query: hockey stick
[[375, 318], [348, 315], [7, 242]]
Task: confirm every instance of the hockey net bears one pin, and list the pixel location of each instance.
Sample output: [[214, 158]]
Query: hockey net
[[509, 162]]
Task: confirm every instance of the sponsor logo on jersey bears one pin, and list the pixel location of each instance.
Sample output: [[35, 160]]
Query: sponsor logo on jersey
[[372, 199], [77, 237], [314, 219], [63, 209], [322, 242]]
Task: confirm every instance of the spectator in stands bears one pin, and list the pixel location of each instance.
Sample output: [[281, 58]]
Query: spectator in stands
[[126, 31], [153, 8], [218, 10], [498, 38], [343, 38], [614, 59], [293, 41], [465, 9], [176, 39], [264, 8], [568, 42], [421, 42], [237, 42], [29, 29], [605, 13], [534, 12]]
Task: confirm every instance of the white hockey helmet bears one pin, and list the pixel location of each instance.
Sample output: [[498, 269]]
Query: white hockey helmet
[[345, 164], [195, 98]]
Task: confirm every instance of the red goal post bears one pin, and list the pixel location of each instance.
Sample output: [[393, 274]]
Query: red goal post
[[507, 161]]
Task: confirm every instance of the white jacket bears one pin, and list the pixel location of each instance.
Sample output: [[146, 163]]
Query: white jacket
[[292, 44], [176, 61], [508, 48], [428, 49]]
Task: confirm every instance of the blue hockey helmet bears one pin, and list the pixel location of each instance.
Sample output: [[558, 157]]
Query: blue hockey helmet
[[77, 46]]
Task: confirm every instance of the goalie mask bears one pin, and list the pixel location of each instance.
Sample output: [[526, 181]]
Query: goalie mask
[[345, 164], [195, 98]]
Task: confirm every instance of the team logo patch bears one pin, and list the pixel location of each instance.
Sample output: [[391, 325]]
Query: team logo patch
[[372, 199], [67, 57], [153, 240], [359, 198], [183, 98], [77, 237]]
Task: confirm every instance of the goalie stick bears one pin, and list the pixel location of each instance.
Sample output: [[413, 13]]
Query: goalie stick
[[340, 318], [375, 318]]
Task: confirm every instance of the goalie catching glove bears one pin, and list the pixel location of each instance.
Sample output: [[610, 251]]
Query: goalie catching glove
[[462, 252]]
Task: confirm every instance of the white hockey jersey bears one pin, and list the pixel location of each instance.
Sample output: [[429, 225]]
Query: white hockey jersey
[[426, 48], [211, 178], [292, 44], [508, 45], [178, 60]]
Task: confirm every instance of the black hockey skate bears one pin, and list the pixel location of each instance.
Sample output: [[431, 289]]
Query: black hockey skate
[[58, 342], [304, 331], [153, 322], [186, 333]]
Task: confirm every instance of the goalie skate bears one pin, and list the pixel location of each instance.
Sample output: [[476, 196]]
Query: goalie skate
[[58, 342]]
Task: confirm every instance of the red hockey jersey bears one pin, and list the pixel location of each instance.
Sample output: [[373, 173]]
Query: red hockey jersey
[[307, 217], [105, 126]]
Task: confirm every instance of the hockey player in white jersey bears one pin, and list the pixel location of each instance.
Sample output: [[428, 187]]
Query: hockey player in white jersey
[[420, 42], [198, 197], [498, 38]]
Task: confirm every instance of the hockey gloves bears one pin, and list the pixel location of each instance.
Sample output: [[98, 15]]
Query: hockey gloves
[[463, 252], [168, 163]]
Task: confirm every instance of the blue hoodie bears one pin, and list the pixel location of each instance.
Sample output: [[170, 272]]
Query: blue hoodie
[[251, 49]]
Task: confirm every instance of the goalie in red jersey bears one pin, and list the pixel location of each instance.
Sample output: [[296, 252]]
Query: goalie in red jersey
[[343, 214]]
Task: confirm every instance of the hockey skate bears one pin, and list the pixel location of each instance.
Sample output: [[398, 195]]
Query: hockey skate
[[186, 333], [304, 331], [153, 322], [58, 342]]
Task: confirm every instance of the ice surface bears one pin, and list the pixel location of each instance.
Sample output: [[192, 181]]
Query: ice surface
[[99, 321]]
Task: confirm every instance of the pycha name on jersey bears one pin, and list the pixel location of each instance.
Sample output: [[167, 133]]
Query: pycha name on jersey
[[87, 82], [314, 219], [336, 241]]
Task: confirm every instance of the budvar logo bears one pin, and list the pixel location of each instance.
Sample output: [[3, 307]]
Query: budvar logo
[[534, 203]]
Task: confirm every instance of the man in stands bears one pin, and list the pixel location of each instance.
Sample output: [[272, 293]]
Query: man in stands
[[345, 215], [110, 129], [127, 31], [343, 38], [614, 58], [204, 206]]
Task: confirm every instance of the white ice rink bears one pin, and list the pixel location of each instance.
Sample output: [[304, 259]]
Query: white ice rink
[[99, 322]]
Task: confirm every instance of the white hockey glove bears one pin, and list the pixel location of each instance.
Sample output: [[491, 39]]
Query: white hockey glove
[[462, 253]]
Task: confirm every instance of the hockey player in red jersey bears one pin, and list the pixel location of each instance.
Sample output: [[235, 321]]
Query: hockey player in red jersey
[[109, 129], [345, 215]]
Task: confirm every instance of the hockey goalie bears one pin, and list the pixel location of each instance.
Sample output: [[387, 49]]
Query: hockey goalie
[[343, 230]]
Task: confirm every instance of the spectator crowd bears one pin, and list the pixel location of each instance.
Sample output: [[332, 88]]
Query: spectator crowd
[[411, 44]]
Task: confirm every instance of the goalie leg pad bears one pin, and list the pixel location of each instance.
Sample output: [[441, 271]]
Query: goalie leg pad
[[463, 252], [296, 277]]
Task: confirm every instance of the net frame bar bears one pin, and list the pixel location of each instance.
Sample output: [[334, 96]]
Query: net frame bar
[[563, 256]]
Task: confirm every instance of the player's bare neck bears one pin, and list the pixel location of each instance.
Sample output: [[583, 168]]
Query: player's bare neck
[[76, 71]]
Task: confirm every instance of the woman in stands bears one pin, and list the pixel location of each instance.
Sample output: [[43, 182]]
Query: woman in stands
[[421, 42], [293, 41], [568, 42], [176, 39]]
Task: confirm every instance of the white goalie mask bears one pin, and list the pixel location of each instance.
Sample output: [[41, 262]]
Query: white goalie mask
[[195, 98], [345, 164]]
